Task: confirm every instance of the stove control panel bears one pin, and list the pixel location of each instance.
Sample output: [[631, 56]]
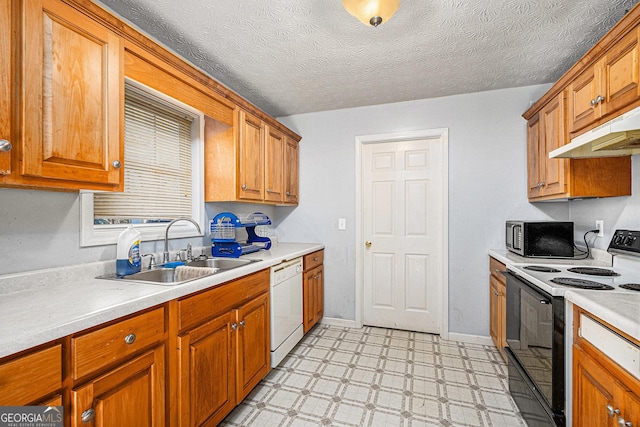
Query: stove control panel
[[625, 242]]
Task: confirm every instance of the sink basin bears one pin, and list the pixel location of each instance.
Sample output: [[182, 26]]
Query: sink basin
[[221, 263], [196, 270], [160, 275]]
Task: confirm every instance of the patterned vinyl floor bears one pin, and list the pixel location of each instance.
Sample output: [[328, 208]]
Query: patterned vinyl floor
[[380, 378]]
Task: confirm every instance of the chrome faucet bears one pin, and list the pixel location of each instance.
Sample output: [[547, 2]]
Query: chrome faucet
[[165, 254]]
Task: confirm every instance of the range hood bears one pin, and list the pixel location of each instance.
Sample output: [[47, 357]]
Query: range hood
[[618, 137]]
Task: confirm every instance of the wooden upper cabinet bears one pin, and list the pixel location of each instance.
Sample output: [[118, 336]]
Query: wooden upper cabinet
[[552, 136], [545, 133], [291, 162], [6, 85], [606, 87], [255, 161], [251, 157], [275, 143], [550, 179], [72, 97]]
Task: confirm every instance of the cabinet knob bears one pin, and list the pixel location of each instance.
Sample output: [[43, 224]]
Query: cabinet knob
[[242, 323], [116, 164], [599, 99], [234, 326], [593, 102], [316, 277], [5, 145], [496, 293], [623, 423], [612, 412], [130, 339], [88, 415], [288, 193], [268, 190], [244, 186]]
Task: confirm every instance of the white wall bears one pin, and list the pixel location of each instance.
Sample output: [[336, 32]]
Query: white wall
[[487, 185]]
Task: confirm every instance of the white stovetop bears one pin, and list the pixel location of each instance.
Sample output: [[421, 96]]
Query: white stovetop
[[41, 306], [621, 309]]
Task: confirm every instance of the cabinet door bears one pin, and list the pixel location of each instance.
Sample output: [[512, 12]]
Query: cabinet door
[[581, 94], [131, 395], [620, 76], [318, 306], [273, 164], [72, 71], [308, 296], [494, 310], [534, 163], [552, 136], [593, 390], [291, 165], [6, 85], [206, 359], [630, 407], [253, 361], [251, 157]]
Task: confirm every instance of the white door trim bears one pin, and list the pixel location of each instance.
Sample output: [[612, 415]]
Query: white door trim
[[443, 134]]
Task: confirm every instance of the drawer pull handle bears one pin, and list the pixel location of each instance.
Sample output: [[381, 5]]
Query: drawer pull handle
[[130, 339], [242, 323], [88, 415]]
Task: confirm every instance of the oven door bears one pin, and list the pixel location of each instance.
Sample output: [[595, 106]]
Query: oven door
[[535, 338]]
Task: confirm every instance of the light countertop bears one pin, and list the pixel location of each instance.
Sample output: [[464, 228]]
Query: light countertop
[[40, 306]]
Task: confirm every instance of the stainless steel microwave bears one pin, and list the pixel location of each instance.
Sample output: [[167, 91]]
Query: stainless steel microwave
[[543, 239]]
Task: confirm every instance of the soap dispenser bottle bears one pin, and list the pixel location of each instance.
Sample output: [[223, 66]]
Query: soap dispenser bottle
[[128, 259]]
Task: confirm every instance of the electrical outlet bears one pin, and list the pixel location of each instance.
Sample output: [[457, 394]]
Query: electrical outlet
[[600, 227]]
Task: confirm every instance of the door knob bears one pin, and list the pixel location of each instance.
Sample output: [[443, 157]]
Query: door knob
[[367, 244]]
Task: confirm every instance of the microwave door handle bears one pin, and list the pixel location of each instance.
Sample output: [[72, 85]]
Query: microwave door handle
[[516, 244]]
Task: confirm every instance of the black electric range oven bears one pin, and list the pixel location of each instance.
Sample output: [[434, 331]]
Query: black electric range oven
[[535, 318]]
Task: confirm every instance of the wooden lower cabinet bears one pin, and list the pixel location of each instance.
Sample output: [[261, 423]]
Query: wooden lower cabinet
[[498, 306], [253, 349], [221, 359], [130, 395], [207, 352], [313, 297], [604, 393], [595, 390], [29, 379]]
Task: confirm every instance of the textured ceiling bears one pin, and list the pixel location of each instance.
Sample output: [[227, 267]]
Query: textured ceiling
[[299, 56]]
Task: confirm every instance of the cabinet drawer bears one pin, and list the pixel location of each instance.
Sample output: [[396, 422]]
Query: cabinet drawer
[[95, 350], [313, 259], [495, 267], [28, 378], [206, 305]]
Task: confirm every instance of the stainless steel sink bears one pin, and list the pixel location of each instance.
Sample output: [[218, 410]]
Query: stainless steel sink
[[159, 275], [221, 263], [171, 277]]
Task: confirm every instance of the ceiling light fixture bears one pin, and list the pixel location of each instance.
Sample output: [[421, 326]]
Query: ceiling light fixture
[[372, 12]]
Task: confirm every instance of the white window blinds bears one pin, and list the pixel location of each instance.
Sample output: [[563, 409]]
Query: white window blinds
[[157, 164]]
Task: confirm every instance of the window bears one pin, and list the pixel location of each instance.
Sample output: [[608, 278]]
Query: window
[[163, 166]]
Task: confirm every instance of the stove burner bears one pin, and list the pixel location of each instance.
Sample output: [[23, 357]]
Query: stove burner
[[580, 283], [593, 271], [541, 268], [631, 286]]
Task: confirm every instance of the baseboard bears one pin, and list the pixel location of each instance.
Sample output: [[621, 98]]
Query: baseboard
[[344, 323], [471, 339]]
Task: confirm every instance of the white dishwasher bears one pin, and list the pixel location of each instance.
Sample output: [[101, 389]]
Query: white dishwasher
[[286, 308]]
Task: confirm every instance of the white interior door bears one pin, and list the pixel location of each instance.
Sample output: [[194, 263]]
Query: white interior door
[[403, 234]]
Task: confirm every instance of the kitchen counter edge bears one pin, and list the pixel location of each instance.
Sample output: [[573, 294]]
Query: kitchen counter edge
[[41, 306]]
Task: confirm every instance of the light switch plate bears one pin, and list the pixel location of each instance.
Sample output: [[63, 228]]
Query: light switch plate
[[342, 223]]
